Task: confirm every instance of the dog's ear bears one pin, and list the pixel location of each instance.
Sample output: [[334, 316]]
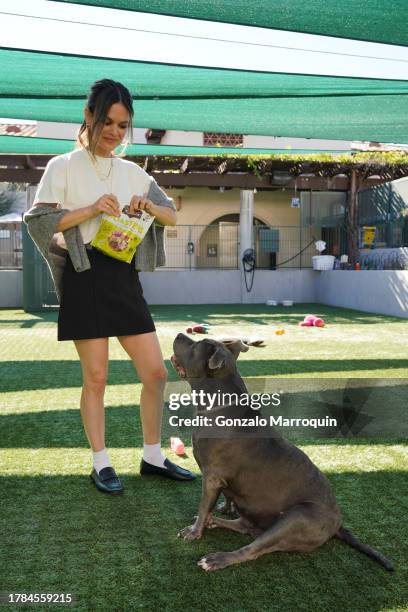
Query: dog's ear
[[218, 358], [236, 346]]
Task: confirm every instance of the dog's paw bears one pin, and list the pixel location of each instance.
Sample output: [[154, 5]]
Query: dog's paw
[[214, 561], [189, 533], [211, 522]]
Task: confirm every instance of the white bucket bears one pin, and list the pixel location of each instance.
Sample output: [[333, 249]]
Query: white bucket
[[323, 262]]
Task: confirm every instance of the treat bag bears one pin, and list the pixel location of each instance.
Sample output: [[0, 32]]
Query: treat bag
[[119, 237]]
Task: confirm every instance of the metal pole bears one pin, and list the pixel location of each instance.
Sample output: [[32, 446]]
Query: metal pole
[[245, 233], [246, 221]]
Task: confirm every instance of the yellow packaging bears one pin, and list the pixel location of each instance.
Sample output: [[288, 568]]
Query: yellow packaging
[[367, 235], [119, 237]]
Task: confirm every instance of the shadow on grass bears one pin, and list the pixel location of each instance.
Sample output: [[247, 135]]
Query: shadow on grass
[[264, 315], [258, 314], [59, 374], [61, 535]]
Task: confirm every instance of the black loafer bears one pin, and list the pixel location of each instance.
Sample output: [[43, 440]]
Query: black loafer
[[170, 471], [107, 481]]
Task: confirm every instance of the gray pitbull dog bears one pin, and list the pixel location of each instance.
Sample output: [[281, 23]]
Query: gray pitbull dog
[[283, 500]]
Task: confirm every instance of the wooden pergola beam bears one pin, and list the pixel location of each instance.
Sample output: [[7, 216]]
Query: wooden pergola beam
[[351, 219], [204, 179], [228, 173], [238, 164]]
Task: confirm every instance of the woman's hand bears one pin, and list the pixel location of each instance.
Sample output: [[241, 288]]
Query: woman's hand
[[141, 203], [107, 203]]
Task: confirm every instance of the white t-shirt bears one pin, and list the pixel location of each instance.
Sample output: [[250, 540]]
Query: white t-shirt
[[72, 181]]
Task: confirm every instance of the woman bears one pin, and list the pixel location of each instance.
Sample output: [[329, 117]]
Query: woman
[[104, 297]]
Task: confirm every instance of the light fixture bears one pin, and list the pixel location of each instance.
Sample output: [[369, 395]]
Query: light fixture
[[280, 177]]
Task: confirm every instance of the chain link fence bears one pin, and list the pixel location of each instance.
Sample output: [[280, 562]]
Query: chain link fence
[[384, 208], [217, 246], [193, 247], [11, 246]]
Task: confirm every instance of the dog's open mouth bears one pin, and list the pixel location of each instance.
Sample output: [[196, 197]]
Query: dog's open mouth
[[179, 369]]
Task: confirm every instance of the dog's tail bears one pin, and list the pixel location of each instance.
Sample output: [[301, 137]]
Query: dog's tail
[[346, 536]]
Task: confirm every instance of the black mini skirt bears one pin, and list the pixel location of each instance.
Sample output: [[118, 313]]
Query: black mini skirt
[[105, 301]]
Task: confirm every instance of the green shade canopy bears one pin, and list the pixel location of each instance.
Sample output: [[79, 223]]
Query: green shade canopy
[[48, 146], [367, 118], [373, 20], [48, 75], [52, 86]]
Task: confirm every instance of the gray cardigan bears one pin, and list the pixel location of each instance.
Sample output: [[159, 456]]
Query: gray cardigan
[[43, 220]]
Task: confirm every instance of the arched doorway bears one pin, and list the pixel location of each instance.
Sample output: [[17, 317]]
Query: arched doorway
[[218, 244]]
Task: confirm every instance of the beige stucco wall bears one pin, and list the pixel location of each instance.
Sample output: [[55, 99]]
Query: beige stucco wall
[[203, 206]]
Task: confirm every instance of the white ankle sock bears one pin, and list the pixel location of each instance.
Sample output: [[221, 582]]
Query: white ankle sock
[[152, 454], [101, 460]]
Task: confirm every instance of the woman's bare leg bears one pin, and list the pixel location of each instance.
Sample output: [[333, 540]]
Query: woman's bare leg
[[145, 353], [94, 356]]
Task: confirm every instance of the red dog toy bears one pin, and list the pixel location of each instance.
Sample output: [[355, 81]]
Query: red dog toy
[[202, 328]]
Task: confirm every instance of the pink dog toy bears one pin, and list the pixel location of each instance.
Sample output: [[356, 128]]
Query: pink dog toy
[[312, 321], [177, 446]]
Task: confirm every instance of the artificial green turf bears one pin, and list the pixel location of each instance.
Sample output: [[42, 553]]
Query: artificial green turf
[[121, 553]]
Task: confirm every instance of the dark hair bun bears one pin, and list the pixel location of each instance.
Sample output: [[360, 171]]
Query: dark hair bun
[[105, 92]]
